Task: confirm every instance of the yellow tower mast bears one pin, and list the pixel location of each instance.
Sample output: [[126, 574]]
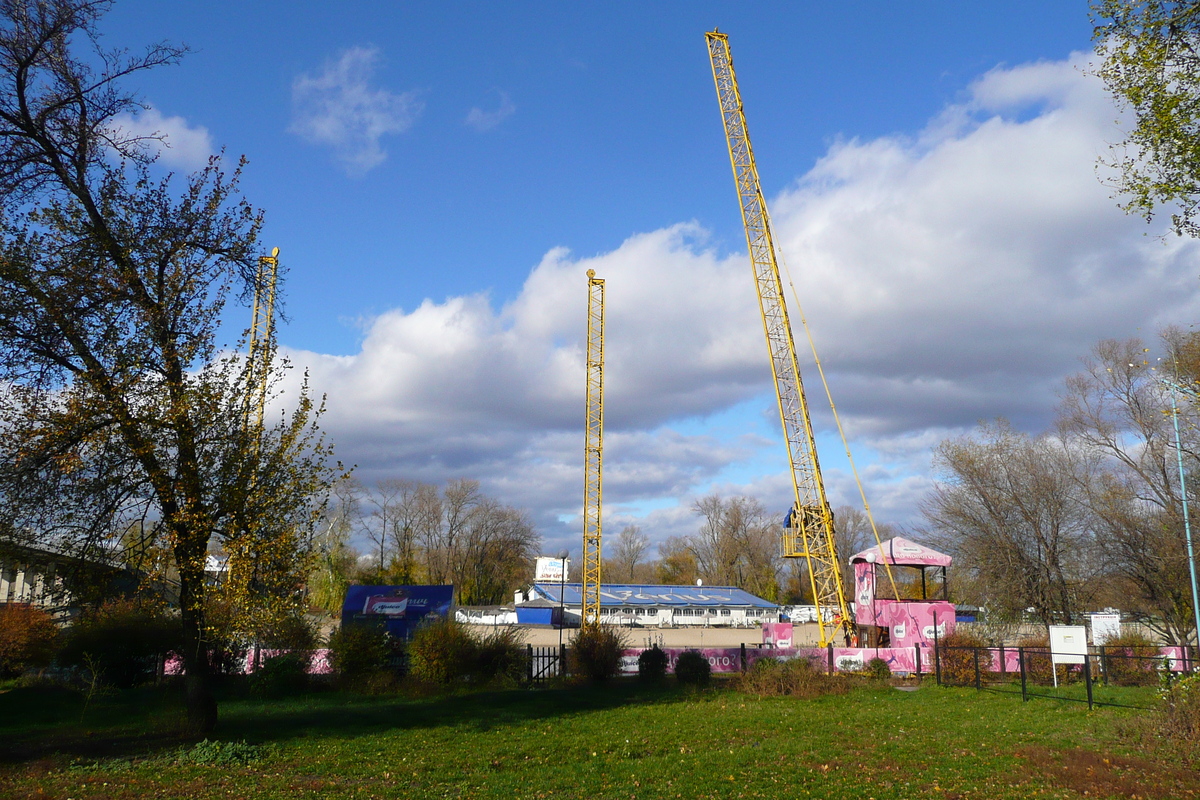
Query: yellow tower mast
[[262, 329], [810, 535], [593, 452]]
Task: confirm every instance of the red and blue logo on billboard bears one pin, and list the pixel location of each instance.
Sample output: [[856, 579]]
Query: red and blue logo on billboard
[[400, 609]]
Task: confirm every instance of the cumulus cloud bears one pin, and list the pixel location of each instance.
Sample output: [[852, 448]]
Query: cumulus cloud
[[960, 274], [482, 120], [951, 276], [170, 139], [339, 109]]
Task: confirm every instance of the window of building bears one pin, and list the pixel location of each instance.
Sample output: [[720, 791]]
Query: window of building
[[626, 610], [725, 612]]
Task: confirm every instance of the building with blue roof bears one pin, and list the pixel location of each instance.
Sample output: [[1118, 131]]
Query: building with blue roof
[[668, 606]]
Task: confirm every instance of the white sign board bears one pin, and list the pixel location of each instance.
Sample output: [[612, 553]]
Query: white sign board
[[551, 570], [1068, 644], [1105, 627]]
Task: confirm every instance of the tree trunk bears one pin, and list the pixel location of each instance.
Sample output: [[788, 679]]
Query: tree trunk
[[197, 682]]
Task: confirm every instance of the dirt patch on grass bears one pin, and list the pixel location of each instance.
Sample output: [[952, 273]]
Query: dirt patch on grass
[[1095, 774]]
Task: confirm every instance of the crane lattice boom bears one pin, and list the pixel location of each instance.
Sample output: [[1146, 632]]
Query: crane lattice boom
[[262, 328], [810, 534], [593, 452]]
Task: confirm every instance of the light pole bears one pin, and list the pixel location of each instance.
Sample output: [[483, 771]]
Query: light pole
[[1187, 524], [562, 594]]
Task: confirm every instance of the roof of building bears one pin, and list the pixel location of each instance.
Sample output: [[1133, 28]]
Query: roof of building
[[621, 594], [903, 553]]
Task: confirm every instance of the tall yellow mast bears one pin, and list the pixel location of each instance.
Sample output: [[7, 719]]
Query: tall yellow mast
[[593, 452], [262, 328], [810, 535]]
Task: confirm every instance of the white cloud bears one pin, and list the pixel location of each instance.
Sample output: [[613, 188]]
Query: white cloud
[[482, 120], [339, 109], [951, 277], [170, 139]]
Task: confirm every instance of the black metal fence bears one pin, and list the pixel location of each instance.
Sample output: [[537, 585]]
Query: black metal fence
[[1029, 670], [545, 663]]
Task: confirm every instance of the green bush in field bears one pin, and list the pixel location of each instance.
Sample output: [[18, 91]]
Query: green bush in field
[[595, 653], [122, 640], [692, 669], [652, 665], [359, 653], [1179, 718], [878, 670], [958, 665], [221, 754], [796, 677], [1131, 659], [442, 652], [499, 659], [281, 675]]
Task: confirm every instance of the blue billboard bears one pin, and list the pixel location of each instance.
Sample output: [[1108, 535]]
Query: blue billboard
[[400, 609]]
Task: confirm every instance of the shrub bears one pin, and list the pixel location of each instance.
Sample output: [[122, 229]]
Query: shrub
[[442, 652], [595, 653], [878, 670], [282, 674], [221, 754], [692, 669], [358, 653], [957, 661], [1131, 659], [123, 640], [1039, 667], [28, 637], [500, 659], [652, 665], [1179, 719], [797, 677], [292, 632]]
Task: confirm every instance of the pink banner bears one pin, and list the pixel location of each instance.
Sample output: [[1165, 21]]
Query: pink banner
[[901, 660]]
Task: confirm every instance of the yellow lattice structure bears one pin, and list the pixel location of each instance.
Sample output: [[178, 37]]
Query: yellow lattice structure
[[593, 455], [810, 534], [262, 328]]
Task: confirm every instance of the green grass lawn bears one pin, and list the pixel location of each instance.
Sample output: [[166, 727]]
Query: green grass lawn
[[614, 742]]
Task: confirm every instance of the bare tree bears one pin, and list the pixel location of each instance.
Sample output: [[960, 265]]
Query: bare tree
[[628, 551], [1118, 409], [737, 545], [495, 553], [1014, 510]]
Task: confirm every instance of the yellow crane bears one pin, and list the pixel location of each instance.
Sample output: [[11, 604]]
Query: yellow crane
[[262, 329], [593, 452], [808, 532]]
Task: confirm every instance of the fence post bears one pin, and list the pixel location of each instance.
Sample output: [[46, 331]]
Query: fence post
[[1087, 678], [937, 662], [1103, 665], [978, 683], [830, 657], [562, 659], [743, 656], [1003, 667], [1021, 664], [917, 648], [529, 662]]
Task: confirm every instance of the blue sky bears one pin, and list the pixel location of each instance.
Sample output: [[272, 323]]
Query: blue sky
[[439, 177]]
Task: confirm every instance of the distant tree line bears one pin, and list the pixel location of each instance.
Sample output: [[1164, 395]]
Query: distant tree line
[[1087, 514], [735, 544], [418, 533]]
